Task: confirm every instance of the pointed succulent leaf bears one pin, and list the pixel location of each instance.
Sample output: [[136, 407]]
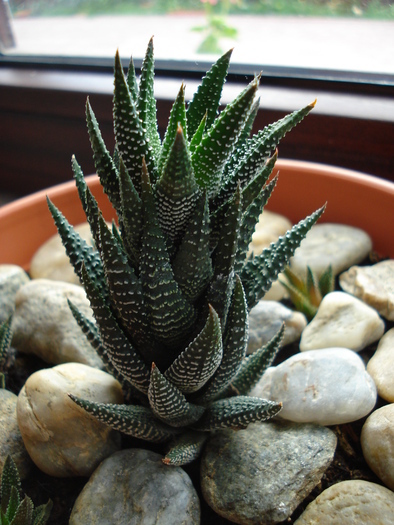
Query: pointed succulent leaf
[[41, 514], [255, 364], [5, 340], [78, 250], [177, 119], [224, 255], [326, 281], [192, 265], [300, 300], [24, 514], [13, 504], [171, 316], [207, 96], [237, 413], [133, 420], [199, 361], [131, 139], [131, 216], [147, 103], [249, 221], [125, 290], [259, 273], [120, 352], [91, 332], [253, 189], [234, 347], [9, 478], [197, 137], [132, 81], [211, 154], [185, 448], [176, 191], [169, 404], [312, 288], [105, 166]]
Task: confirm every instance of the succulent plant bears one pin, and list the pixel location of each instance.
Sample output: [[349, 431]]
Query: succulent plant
[[170, 286], [306, 295], [14, 510]]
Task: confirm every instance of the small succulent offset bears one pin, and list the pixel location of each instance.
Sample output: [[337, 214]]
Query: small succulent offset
[[170, 286], [14, 509], [306, 295]]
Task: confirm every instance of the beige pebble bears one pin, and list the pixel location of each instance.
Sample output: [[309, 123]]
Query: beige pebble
[[61, 438], [269, 227], [372, 284], [381, 366], [12, 277], [327, 244], [354, 502], [377, 442], [43, 324], [342, 320]]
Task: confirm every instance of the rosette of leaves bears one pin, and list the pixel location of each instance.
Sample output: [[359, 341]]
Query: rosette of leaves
[[170, 286], [307, 294], [16, 509]]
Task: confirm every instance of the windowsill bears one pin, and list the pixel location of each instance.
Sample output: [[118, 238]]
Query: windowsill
[[42, 122]]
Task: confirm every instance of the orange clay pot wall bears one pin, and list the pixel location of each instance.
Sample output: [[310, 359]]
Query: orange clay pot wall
[[352, 198]]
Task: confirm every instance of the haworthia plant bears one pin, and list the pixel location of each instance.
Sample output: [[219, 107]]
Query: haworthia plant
[[171, 286], [16, 509]]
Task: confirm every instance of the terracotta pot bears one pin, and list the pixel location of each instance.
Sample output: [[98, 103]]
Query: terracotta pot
[[352, 198]]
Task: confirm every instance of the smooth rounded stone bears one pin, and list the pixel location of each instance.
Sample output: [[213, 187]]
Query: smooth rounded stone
[[277, 292], [381, 366], [342, 320], [331, 244], [328, 386], [61, 438], [261, 474], [269, 227], [12, 277], [354, 502], [374, 285], [44, 325], [51, 261], [134, 487], [11, 442], [266, 319], [377, 442]]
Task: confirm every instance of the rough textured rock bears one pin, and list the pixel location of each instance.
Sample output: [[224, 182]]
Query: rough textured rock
[[342, 320], [44, 325], [12, 277], [261, 474], [336, 244], [354, 502], [328, 386], [11, 442], [381, 366], [61, 438], [265, 320], [372, 284], [51, 261], [377, 442], [134, 487]]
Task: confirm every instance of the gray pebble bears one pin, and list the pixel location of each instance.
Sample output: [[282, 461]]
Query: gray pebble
[[265, 320], [261, 474], [12, 277], [134, 487], [11, 442]]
